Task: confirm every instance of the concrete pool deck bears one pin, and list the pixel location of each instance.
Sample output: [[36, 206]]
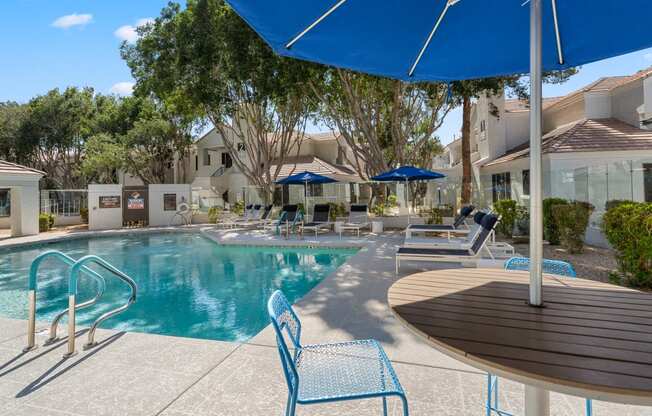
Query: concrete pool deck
[[143, 374]]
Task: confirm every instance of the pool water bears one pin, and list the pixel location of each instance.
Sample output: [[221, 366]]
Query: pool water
[[188, 285]]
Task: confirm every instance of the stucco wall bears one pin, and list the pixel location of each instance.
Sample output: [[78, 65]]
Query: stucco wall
[[626, 100], [158, 216], [104, 218]]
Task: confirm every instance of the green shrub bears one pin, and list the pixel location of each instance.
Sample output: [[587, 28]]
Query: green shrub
[[506, 208], [523, 220], [614, 203], [432, 216], [378, 210], [446, 210], [628, 228], [550, 231], [214, 214], [337, 210], [45, 222], [238, 207], [83, 213], [571, 221]]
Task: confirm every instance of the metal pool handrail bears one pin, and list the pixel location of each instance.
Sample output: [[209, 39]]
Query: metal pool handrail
[[72, 292], [31, 294]]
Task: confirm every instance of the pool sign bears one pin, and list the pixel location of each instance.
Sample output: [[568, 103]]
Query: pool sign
[[111, 201], [135, 200]]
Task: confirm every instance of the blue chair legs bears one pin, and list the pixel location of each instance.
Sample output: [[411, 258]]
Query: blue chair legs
[[589, 407]]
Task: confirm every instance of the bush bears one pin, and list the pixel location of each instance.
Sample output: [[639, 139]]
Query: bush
[[337, 210], [432, 216], [571, 221], [83, 213], [506, 208], [214, 214], [614, 203], [628, 228], [238, 207], [523, 220], [550, 231], [45, 222]]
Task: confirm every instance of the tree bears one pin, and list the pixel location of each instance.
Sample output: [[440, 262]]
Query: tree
[[467, 90], [12, 117], [254, 98]]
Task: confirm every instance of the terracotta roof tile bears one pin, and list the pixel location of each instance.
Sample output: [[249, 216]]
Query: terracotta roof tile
[[592, 135]]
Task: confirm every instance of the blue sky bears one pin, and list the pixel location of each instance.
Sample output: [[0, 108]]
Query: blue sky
[[58, 43]]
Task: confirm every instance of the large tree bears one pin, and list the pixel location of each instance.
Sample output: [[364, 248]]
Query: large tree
[[255, 99]]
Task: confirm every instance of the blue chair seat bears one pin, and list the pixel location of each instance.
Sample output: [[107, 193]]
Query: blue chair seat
[[345, 370]]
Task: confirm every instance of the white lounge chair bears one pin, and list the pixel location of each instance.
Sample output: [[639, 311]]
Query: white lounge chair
[[358, 219], [452, 255], [459, 227]]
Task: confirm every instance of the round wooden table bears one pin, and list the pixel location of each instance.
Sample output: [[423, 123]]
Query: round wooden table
[[590, 339]]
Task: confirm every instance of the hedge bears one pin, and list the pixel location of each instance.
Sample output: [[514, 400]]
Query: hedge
[[550, 231], [506, 209], [571, 221], [628, 228], [45, 222]]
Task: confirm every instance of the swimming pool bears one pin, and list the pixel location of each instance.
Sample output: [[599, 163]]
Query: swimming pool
[[188, 285]]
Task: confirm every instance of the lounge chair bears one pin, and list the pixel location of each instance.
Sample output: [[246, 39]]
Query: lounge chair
[[289, 218], [458, 227], [233, 219], [358, 219], [322, 373], [471, 254], [320, 219], [264, 218], [497, 248], [557, 267]]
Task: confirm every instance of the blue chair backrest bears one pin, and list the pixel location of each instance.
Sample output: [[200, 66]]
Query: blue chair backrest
[[285, 323], [488, 223], [477, 218], [464, 212], [558, 267]]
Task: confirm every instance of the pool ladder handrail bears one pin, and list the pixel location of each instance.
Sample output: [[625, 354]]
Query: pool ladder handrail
[[31, 294], [72, 293]]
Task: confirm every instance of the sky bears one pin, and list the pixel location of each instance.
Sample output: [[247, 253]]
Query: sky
[[48, 44]]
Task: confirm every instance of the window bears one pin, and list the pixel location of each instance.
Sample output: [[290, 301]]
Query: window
[[315, 189], [501, 185], [5, 203], [196, 162], [207, 158], [647, 181], [483, 126], [526, 182], [227, 161]]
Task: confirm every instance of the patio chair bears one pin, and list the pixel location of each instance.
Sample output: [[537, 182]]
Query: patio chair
[[323, 373], [264, 217], [497, 248], [556, 267], [459, 226], [320, 220], [234, 220], [452, 255], [289, 218], [358, 219]]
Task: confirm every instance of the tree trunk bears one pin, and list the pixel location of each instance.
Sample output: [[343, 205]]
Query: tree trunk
[[467, 177]]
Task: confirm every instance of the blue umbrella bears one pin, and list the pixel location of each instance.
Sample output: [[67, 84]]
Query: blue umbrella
[[419, 40], [304, 179], [407, 174]]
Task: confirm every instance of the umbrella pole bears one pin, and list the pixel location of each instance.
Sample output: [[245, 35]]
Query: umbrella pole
[[407, 193], [537, 400]]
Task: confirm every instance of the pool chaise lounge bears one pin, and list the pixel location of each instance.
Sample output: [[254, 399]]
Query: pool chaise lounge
[[320, 220], [289, 218], [472, 254], [358, 219], [459, 226]]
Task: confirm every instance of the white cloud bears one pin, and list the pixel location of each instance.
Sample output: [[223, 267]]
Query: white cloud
[[129, 33], [648, 57], [122, 88], [66, 22]]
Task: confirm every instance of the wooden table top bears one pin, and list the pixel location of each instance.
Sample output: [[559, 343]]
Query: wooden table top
[[591, 339]]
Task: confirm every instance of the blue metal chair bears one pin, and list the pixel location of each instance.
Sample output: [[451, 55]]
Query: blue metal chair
[[558, 267], [330, 372]]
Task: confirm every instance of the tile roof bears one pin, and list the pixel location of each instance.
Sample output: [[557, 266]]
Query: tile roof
[[298, 164], [13, 168], [592, 135]]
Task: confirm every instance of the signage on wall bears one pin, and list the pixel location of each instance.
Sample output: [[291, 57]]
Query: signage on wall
[[135, 200], [169, 202], [112, 201]]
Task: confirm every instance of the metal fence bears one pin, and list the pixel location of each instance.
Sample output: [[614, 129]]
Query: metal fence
[[64, 203]]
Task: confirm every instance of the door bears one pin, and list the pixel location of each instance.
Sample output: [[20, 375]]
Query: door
[[135, 209]]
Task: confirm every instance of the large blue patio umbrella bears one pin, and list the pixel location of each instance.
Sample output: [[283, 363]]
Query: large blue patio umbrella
[[305, 178], [407, 174], [444, 40]]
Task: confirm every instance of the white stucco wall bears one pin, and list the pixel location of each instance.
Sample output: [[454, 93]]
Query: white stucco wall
[[158, 216], [24, 193], [625, 100], [103, 218]]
